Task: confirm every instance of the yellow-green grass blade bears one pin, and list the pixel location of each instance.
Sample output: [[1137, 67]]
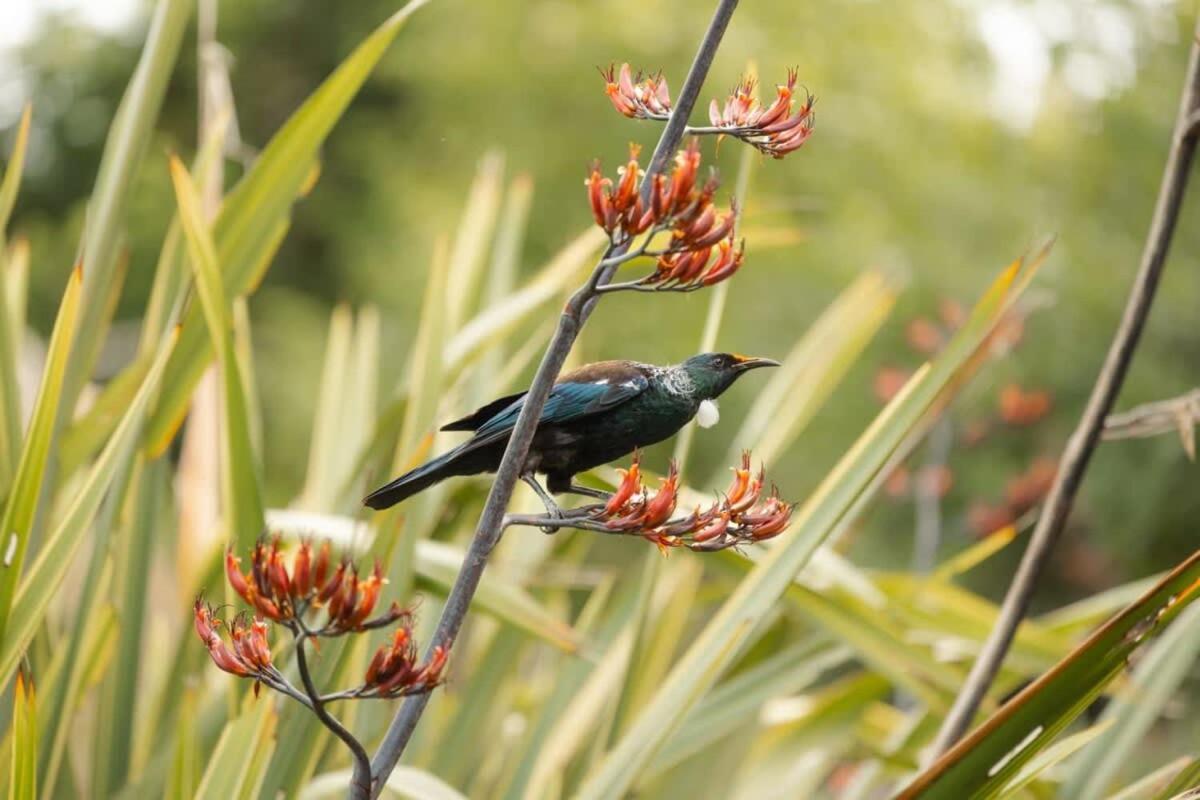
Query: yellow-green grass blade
[[12, 171], [985, 762], [254, 215], [474, 234], [395, 544], [497, 321], [873, 620], [816, 724], [814, 368], [128, 137], [485, 696], [974, 555], [952, 617], [1050, 757], [45, 576], [10, 387], [22, 506], [563, 719], [61, 695], [665, 619], [1149, 785], [346, 409], [23, 776], [326, 443], [89, 432], [1135, 708], [234, 765], [243, 350], [132, 551], [184, 775], [826, 512], [16, 279], [879, 640], [738, 701], [502, 278], [1186, 780], [10, 400], [241, 493], [438, 563], [1080, 617]]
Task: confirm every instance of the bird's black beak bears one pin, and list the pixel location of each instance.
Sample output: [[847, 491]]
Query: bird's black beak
[[747, 363]]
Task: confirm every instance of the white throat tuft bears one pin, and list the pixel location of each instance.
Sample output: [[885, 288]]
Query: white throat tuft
[[708, 414]]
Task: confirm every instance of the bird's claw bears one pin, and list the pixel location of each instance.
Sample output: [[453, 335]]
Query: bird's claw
[[553, 513]]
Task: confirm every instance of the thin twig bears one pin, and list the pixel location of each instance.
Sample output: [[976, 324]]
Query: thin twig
[[1083, 441], [1179, 415], [360, 785], [578, 308]]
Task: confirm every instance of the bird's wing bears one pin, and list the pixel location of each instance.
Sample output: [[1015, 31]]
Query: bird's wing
[[571, 399], [472, 421]]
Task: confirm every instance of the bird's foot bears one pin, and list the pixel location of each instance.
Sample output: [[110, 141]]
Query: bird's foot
[[552, 508], [587, 491]]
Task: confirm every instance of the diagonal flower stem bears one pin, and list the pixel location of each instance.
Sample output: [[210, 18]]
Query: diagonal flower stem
[[574, 315], [361, 780], [1083, 441]]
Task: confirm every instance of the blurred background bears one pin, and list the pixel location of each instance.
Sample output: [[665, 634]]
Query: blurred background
[[951, 136]]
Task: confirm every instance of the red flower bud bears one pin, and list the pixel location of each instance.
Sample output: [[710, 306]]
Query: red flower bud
[[302, 571], [235, 577], [321, 569], [714, 529], [662, 505], [631, 484], [728, 262]]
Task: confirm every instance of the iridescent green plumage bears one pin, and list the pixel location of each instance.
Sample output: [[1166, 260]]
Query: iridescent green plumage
[[594, 415]]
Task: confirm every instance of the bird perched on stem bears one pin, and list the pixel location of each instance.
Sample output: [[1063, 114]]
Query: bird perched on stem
[[594, 415]]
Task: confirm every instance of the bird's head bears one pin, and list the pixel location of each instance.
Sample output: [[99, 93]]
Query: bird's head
[[713, 373]]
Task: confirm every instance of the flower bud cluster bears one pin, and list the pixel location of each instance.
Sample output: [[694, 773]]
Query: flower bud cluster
[[248, 652], [282, 593], [394, 670], [778, 129], [701, 250], [742, 515]]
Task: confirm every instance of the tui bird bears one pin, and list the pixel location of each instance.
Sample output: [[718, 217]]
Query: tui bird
[[594, 415]]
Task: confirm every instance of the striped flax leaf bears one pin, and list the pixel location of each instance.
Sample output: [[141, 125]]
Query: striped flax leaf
[[982, 764], [1136, 707], [232, 768], [23, 775], [45, 576], [10, 396], [126, 143], [22, 506], [241, 494]]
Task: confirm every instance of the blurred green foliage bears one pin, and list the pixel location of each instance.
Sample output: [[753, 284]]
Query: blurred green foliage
[[913, 167]]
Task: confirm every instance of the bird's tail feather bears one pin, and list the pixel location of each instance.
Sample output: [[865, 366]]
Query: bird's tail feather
[[417, 480]]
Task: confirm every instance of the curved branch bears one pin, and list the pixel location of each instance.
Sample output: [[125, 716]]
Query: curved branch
[[360, 785]]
